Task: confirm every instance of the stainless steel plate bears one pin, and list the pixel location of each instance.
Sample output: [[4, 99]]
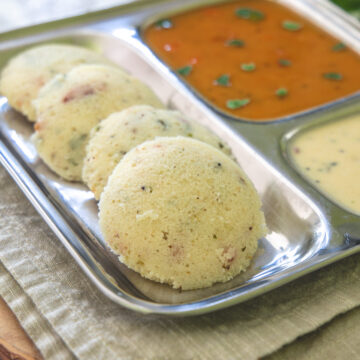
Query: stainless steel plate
[[306, 230]]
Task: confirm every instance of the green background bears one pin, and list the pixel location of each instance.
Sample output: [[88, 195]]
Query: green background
[[353, 6]]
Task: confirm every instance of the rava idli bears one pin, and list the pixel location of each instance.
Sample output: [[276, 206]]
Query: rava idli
[[27, 72], [181, 212], [71, 104], [113, 137]]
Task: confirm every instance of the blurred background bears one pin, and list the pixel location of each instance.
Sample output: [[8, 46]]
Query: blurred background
[[19, 13], [350, 5]]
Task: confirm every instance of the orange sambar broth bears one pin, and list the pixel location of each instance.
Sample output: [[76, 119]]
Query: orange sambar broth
[[319, 68]]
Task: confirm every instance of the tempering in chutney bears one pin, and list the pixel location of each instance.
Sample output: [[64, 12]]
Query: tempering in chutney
[[329, 157], [256, 59]]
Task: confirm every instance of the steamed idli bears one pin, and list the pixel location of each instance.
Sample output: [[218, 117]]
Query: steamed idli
[[71, 104], [181, 212]]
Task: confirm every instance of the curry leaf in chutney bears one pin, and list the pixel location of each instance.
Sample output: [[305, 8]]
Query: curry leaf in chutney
[[338, 47], [235, 43], [223, 80], [291, 25], [185, 71], [333, 76], [250, 14], [281, 92], [237, 103], [285, 62], [248, 67]]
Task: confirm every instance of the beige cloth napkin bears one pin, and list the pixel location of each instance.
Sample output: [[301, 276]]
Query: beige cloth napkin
[[67, 316], [340, 339]]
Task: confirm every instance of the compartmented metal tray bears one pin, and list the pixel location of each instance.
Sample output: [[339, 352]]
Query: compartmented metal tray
[[307, 231]]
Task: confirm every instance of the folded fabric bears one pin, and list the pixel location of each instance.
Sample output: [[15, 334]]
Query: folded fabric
[[92, 327]]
